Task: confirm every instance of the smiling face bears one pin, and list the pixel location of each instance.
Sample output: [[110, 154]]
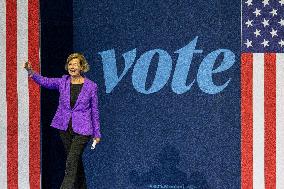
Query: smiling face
[[74, 67]]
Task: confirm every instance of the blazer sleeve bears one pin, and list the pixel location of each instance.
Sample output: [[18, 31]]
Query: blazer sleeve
[[95, 113], [49, 83]]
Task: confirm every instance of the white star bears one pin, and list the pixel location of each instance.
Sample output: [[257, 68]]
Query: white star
[[265, 43], [265, 2], [281, 22], [281, 2], [248, 43], [249, 23], [257, 12], [265, 22], [273, 33], [248, 2], [281, 43], [273, 12], [257, 33]]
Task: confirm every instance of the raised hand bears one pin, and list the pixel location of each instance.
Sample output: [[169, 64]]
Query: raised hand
[[27, 66]]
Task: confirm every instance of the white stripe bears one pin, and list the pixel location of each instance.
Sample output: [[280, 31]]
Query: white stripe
[[40, 182], [23, 95], [241, 23], [258, 121], [279, 121], [3, 103]]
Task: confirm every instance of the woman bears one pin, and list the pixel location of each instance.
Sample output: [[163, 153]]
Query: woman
[[77, 116]]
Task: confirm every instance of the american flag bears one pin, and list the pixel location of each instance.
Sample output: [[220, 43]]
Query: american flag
[[20, 97], [262, 102]]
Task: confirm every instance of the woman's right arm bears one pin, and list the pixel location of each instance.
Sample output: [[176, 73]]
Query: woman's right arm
[[49, 83]]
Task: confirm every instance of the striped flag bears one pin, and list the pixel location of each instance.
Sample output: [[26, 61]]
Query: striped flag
[[262, 94], [20, 97]]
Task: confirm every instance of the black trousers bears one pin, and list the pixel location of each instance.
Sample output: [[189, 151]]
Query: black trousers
[[74, 144]]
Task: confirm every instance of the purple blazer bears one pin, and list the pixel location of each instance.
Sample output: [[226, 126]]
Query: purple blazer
[[85, 113]]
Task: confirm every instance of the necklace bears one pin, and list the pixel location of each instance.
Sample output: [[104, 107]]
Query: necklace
[[77, 80]]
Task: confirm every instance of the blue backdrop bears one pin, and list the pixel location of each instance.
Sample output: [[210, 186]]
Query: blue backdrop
[[162, 139]]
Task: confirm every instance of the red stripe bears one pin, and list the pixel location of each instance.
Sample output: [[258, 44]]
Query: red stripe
[[34, 94], [12, 98], [246, 121], [269, 120]]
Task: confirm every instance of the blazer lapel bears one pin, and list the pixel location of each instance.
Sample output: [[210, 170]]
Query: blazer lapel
[[68, 91]]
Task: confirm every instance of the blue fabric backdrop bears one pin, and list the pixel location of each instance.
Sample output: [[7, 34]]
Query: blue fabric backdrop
[[162, 139]]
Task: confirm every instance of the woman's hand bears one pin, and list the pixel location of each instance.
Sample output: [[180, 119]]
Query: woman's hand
[[97, 140], [27, 66]]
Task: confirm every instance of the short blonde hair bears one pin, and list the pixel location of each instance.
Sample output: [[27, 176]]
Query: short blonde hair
[[83, 62]]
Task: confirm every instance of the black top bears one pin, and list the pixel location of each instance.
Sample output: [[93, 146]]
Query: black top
[[74, 93]]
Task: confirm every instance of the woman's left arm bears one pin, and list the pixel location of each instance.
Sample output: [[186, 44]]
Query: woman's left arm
[[95, 114]]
